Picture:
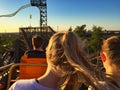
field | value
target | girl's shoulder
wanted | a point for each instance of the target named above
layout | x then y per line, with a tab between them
23	84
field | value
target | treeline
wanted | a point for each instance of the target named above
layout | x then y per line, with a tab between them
93	38
6	42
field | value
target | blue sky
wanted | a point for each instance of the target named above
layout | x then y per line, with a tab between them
63	14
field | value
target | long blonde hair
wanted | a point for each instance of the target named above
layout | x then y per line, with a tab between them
66	57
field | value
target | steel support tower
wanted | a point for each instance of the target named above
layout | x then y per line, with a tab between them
42	6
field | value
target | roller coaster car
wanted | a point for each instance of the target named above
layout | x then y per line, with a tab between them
16	66
27	72
28	68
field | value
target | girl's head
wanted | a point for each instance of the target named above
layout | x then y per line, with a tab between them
66	59
63	48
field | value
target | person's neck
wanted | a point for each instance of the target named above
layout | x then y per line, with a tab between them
113	71
39	49
49	79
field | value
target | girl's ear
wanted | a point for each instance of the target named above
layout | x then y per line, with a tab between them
103	57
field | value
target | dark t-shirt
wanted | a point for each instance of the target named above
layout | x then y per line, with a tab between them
36	54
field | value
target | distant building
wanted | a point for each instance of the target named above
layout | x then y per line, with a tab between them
105	33
9	34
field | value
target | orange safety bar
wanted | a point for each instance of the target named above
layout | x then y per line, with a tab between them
27	72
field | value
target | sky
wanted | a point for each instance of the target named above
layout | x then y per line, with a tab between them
62	14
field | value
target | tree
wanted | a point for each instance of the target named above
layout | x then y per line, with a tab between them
6	42
81	31
70	29
95	40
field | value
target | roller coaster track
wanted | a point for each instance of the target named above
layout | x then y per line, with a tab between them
4	70
13	14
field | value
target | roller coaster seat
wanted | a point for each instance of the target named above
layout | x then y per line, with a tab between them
27	72
1	86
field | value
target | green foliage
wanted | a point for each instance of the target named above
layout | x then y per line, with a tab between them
6	42
80	31
70	29
95	40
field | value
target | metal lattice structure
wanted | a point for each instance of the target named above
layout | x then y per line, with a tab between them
42	6
23	42
26	34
